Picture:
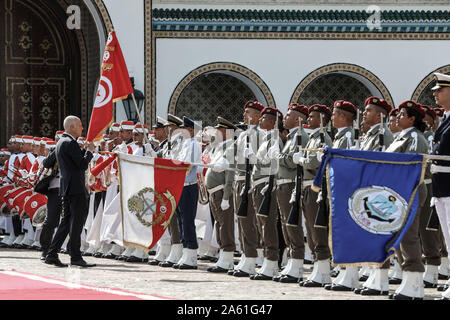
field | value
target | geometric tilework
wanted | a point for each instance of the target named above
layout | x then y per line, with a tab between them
328	88
212	95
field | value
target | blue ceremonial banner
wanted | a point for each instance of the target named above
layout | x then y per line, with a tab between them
373	198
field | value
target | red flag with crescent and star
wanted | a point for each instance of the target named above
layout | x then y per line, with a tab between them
114	85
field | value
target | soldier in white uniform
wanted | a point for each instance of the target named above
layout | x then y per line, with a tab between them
441	169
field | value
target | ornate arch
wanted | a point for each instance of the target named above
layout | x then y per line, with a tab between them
220	66
427	80
104	15
342	68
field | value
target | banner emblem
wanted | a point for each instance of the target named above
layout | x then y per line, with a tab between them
104	92
151	212
379	210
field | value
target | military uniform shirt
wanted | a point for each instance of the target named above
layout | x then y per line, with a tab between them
309	160
371	141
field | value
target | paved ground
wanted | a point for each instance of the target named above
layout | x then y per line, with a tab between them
177	284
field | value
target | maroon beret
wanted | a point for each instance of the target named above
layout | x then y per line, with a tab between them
254	104
378	102
299	108
393	113
345	105
413	105
320	108
272	111
439	112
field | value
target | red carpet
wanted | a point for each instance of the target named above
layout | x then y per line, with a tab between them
24	286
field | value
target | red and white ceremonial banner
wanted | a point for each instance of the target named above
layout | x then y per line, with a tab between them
114	85
150	189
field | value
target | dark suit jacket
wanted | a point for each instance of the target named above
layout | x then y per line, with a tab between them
73	162
50	161
441	146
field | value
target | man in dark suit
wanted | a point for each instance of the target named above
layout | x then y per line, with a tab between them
441	169
73	162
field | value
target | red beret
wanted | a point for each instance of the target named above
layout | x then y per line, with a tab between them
272	111
378	102
413	105
393	112
254	104
345	105
429	111
320	108
439	112
299	108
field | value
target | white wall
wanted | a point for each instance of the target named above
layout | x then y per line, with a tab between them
128	20
282	64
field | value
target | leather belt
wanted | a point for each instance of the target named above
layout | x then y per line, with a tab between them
215	189
284	181
259	181
439	169
307	183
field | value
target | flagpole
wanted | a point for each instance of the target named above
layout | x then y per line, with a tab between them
140	120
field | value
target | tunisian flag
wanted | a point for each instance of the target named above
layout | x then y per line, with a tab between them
114	85
150	189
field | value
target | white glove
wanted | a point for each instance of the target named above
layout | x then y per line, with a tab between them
273	151
248	153
225	204
319	156
23	173
296	157
293	196
319	197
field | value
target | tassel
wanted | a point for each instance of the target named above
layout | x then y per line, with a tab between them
414	145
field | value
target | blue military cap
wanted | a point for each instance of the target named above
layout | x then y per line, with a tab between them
189	123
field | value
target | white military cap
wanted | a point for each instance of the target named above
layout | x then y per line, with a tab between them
442	80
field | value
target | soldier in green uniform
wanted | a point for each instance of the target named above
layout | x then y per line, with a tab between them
317	238
411	140
286	183
377	138
344	113
264	170
249	235
219	184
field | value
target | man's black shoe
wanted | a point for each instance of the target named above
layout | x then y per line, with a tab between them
55	261
82	263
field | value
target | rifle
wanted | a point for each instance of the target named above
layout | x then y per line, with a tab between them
322	211
294	214
433	221
264	208
357	131
243	206
169	142
381	134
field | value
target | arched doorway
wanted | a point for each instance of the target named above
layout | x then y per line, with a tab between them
47	70
218	89
423	93
40	68
333	82
211	95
